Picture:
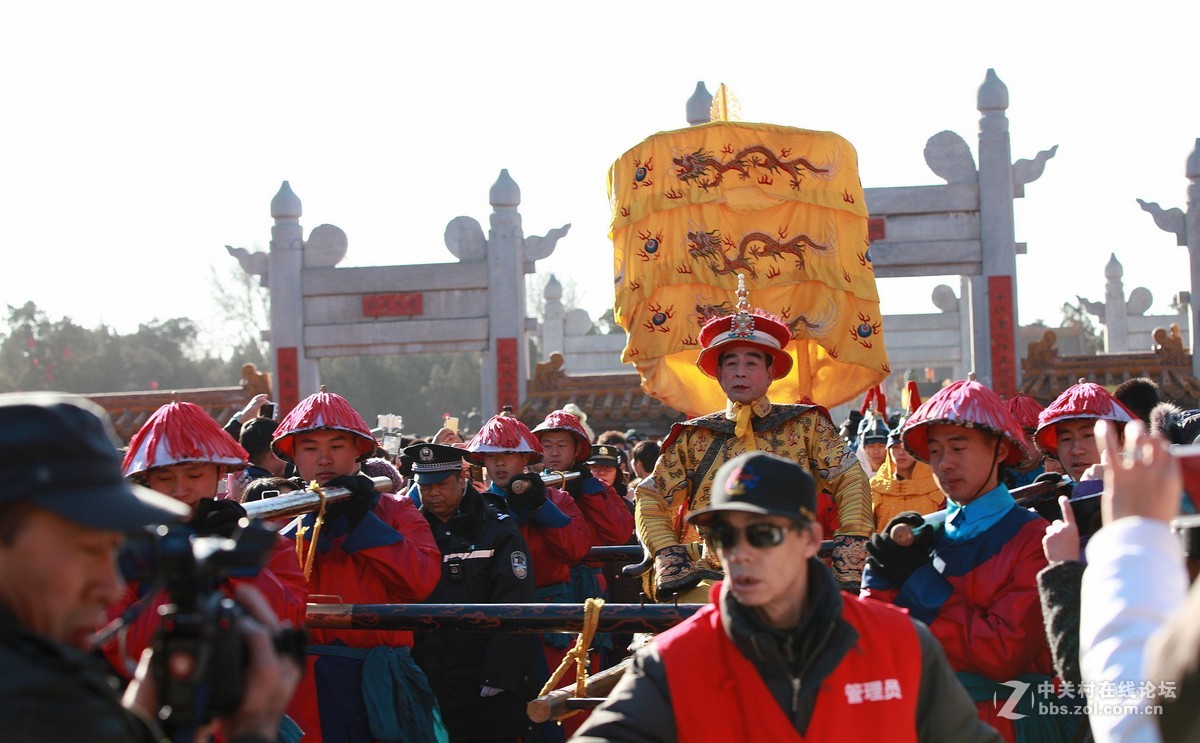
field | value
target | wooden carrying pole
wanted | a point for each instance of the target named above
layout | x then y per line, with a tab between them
557	703
617	618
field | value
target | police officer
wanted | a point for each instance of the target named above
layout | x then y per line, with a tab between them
482	680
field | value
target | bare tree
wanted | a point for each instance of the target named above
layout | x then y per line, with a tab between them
243	316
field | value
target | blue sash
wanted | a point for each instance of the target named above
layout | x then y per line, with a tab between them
1032	727
400	704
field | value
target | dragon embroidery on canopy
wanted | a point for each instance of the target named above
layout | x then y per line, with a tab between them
704	169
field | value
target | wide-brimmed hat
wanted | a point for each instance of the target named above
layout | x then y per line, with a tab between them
760	483
322	411
969	404
503	434
1025	409
178	433
1082	401
59	452
745	326
561	420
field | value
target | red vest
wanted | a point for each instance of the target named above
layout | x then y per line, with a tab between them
718	695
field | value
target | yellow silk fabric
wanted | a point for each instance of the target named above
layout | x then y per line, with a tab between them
693	208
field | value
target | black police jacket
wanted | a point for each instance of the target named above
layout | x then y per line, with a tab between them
484	561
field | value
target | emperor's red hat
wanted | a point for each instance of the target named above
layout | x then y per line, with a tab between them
322	411
1085	400
745	326
180	432
969	404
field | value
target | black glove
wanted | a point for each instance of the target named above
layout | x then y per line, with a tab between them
358	505
896	563
574	487
531	496
217	517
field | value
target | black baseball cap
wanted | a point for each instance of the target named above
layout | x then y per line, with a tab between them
760	483
432	463
59	452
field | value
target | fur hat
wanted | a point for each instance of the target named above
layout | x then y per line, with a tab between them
1178	426
745	326
181	432
969	404
322	411
1085	400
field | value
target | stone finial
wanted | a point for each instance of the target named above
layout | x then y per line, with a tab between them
1139	301
944	298
465	240
699	106
948	156
505	191
993	94
1113	269
1193	163
286	204
325	247
553	291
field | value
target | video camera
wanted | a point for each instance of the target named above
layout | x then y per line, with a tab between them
199	656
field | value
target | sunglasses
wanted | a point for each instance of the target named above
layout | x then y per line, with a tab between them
760	536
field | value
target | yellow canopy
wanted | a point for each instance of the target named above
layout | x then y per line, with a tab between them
782	206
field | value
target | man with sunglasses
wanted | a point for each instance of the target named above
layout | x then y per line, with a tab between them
781	652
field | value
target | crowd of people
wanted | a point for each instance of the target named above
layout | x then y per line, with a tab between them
970	568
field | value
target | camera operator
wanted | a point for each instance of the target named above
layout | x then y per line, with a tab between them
64	508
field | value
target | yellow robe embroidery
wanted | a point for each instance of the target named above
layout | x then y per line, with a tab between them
808	439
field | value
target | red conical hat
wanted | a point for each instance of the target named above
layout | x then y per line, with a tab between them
1079	401
745	326
323	411
504	434
969	404
561	420
1025	409
181	432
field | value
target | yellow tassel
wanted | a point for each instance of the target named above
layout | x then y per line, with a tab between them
578	655
744	428
306	560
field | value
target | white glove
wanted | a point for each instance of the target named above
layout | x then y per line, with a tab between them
489	691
